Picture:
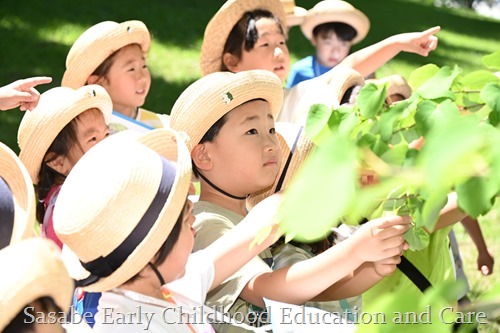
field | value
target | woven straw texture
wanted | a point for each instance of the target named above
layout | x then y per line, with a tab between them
57	107
35	270
221	24
108	192
96	44
207	100
336	11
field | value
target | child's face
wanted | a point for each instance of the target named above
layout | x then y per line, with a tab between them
128	80
245	154
330	50
174	266
90	130
269	52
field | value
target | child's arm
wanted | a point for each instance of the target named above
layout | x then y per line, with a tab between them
485	260
450	214
238	246
376	240
371	58
21	93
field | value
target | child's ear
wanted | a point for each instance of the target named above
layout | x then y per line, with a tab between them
201	158
93	79
59	163
230	61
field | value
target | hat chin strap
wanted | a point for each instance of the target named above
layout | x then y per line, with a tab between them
157	273
221	190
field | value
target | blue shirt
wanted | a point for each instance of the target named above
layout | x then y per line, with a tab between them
305	69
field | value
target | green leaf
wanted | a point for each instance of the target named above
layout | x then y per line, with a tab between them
387	120
395	155
371	99
491	96
417	238
317	120
492	61
321	191
420	75
439	85
432	207
475	196
423	116
477	80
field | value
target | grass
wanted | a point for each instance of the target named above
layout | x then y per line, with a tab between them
36	38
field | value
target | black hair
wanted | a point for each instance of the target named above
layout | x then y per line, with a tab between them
344	32
244	34
24	321
47	177
350	96
167	246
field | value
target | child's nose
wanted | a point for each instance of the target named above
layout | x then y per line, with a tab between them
278	52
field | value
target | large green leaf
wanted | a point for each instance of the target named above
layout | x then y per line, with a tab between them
387	120
316	122
439	85
371	99
475	195
492	60
396	155
420	75
417	238
491	95
322	190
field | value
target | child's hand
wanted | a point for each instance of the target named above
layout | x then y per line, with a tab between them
22	93
419	42
485	262
381	238
387	266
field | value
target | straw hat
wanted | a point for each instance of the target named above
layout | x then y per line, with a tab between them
139	189
221	24
35	270
295	147
336	11
17	199
397	85
96	44
57	108
294	14
207	100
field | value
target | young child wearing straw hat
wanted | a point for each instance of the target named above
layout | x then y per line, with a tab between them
65	124
22	93
250	34
35	295
114	55
229	119
332	27
146	268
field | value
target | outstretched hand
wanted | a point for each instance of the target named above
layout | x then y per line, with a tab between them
421	43
22	93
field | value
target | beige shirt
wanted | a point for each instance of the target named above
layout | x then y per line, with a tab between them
211	223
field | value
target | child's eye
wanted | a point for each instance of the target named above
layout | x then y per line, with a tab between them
272	131
131	69
252	131
92	139
145	66
264	45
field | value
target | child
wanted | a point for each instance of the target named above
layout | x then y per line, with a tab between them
52	138
229	119
113	55
151	248
332	27
35	295
245	34
21	93
17	199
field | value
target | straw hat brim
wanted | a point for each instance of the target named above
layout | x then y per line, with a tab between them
78	239
397	85
297	17
57	108
33	269
221	24
96	44
207	100
16	176
336	11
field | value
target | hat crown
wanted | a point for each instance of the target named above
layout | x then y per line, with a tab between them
57	108
208	99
